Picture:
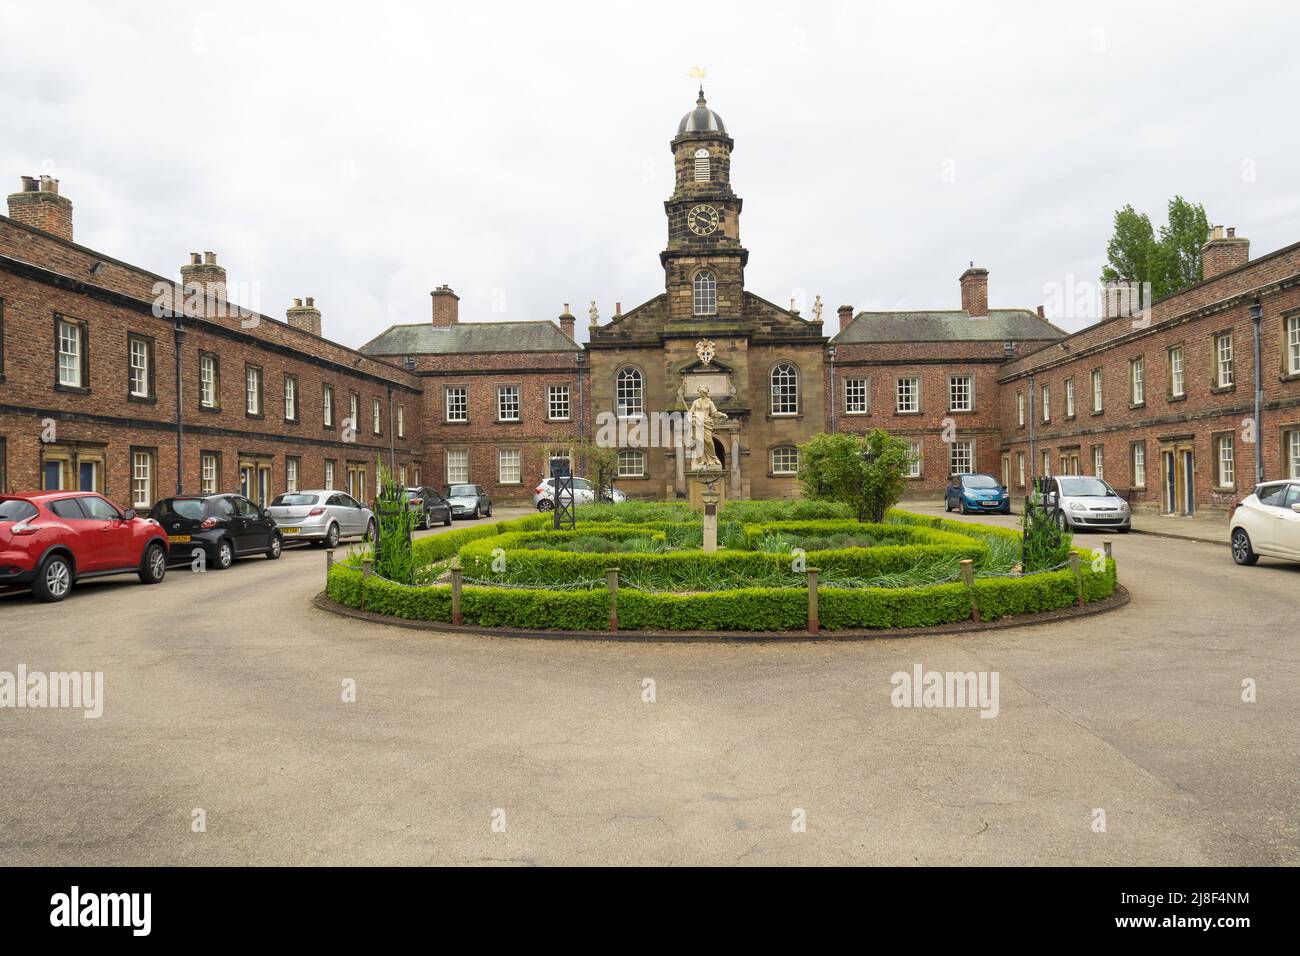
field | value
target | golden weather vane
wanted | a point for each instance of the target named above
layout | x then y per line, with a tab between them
698	73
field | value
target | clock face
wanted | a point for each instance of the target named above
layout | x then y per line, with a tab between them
702	219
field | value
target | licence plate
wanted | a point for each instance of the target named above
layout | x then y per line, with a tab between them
290	530
989	504
178	539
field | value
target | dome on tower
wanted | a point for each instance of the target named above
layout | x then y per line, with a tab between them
701	119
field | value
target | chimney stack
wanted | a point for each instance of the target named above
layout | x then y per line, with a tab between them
202	275
845	313
975	292
304	315
1042	312
567	321
1223	252
39	205
446	308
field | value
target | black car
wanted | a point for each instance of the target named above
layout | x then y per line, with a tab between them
225	526
430	507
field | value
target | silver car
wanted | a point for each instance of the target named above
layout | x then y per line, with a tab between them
322	517
1082	501
584	493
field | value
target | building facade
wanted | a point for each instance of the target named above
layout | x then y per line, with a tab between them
136	385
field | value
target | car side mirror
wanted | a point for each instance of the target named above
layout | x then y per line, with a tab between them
128	515
1296	507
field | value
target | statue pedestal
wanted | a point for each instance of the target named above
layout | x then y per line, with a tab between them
706	487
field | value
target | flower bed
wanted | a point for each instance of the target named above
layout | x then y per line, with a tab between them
909	576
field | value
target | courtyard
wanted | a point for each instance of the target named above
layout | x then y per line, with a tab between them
225	693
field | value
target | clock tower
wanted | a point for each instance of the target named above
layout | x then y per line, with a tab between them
704	263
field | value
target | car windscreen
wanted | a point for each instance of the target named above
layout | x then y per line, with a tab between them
293	500
15	509
979	481
410	493
462	491
1084	487
184	507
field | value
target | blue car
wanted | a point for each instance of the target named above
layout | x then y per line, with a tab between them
976	492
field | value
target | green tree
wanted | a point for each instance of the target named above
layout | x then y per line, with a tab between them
1170	262
867	473
589	460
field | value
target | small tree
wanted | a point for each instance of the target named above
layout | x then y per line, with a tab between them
867	473
394	558
597	464
1045	544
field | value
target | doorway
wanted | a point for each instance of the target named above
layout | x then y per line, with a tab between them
1178	484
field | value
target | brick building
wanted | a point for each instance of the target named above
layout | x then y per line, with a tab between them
135	384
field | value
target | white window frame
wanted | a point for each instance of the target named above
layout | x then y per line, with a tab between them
1293	345
704	293
460	457
629	392
784	460
1098	398
354	410
1293	453
141	479
961	452
1223	370
1069	398
857	396
329	474
509	403
71	353
1098	461
290	398
1047	404
327	406
455	404
1047	462
1020	409
401	423
1225	465
510	466
208	381
558	406
784	379
630	463
208	477
1020	468
139	372
252	390
1177	373
961	393
1138	464
376	416
291	475
907	395
913	459
1137	381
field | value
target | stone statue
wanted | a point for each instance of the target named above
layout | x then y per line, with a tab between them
817	308
595	315
704	417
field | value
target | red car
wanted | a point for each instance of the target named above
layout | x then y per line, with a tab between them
52	539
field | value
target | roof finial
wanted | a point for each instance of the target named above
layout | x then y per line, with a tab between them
699	72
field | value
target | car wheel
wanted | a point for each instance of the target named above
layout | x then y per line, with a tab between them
1242	552
947	505
277	546
545	505
225	554
154	567
1062	522
424	523
370	530
54	580
489	511
332	536
446	522
475	514
1125	530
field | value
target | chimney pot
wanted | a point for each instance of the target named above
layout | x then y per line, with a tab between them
304	315
1223	251
618	308
210	258
1042	312
297	303
40	206
1232	232
311	302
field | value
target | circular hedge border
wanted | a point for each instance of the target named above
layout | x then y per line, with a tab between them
909	538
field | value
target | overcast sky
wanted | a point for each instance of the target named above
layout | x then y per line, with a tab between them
364	153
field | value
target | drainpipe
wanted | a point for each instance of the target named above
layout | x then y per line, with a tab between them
1256	318
582	422
830	353
392	452
1029	412
178	336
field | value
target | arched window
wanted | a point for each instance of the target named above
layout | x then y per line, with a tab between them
702	165
629	393
706	293
785	390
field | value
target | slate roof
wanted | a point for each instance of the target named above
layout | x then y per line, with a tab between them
468	338
955	325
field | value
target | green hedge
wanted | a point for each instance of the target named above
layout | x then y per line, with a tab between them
774	609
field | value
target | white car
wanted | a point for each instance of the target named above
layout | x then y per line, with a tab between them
1081	501
584	493
1267	523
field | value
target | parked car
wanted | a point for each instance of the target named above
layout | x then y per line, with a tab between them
469	501
430	507
225	526
1267	523
55	539
322	517
1082	501
976	492
584	493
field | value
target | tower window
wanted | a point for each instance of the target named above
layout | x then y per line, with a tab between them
702	174
706	294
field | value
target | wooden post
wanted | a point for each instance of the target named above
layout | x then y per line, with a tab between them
968	579
1078	576
456	575
365	576
611	582
1106	546
329	563
814	619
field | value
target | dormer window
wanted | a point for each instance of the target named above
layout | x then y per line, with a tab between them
702	165
706	293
